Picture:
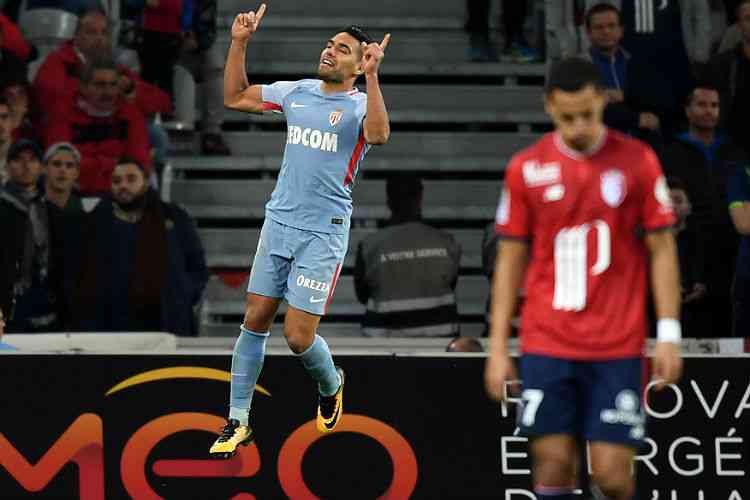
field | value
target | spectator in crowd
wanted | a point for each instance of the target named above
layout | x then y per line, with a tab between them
704	159
464	344
739	209
142	265
730	7
62	163
58	78
696	316
13	41
477	25
564	34
730	73
12	68
3	345
61	169
23	112
164	25
605	31
406	273
5	137
666	39
206	66
514	13
28	276
101	125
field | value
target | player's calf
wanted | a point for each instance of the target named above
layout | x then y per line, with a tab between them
611	471
618	486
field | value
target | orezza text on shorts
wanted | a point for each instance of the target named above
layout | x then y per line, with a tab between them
320	286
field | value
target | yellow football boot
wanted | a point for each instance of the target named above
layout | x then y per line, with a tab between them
331	408
231	437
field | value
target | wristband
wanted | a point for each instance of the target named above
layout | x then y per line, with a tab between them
668	330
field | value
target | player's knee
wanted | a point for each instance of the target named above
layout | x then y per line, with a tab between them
258	317
554	470
614	482
298	339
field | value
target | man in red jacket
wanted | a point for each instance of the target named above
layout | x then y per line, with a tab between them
101	124
58	77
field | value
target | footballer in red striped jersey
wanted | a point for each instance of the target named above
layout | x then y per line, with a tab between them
584	219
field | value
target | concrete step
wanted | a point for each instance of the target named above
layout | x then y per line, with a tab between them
235	248
452	200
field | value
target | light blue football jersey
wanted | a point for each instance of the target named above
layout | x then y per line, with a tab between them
324	148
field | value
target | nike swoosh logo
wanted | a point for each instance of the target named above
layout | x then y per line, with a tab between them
295	105
332	423
313	300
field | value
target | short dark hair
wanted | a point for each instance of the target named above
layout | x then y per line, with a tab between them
674	182
571	75
601	8
358	33
741	4
102	64
701	86
464	344
127	160
403	189
4	101
96	11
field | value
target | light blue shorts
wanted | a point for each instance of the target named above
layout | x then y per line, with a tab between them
297	265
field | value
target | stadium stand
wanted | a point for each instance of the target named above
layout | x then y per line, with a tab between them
456	123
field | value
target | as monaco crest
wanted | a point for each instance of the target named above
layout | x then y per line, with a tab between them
335	117
613	187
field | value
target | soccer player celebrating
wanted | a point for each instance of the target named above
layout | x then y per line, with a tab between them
304	239
583	214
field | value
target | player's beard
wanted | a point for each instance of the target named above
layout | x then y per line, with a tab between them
332	77
137	203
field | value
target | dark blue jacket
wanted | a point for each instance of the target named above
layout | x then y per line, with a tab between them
111	243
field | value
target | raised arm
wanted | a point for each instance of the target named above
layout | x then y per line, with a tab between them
377	126
238	93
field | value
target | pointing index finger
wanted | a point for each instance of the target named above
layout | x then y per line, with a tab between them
260	13
384	43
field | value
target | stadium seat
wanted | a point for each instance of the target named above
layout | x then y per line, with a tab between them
466	104
228	199
235	248
356	12
221	300
415	151
46	29
327	328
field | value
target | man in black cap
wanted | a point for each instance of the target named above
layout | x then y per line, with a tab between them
28	297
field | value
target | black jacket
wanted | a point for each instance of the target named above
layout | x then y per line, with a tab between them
730	73
706	184
14	222
105	303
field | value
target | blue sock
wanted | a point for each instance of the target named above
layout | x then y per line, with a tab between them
554	493
247	361
318	362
